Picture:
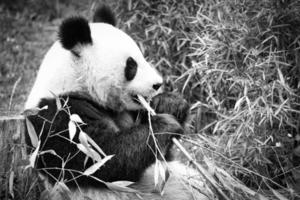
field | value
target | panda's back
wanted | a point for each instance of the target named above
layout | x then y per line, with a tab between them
55	76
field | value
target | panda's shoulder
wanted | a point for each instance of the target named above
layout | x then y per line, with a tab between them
58	111
78	103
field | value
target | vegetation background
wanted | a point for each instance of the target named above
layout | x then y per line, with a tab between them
236	61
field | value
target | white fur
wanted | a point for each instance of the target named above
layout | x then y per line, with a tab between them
99	70
175	189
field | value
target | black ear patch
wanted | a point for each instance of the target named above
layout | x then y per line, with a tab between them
130	69
73	31
104	14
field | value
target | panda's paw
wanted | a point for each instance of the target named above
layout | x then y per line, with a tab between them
173	104
166	123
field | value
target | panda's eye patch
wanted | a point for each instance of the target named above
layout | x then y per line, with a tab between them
130	69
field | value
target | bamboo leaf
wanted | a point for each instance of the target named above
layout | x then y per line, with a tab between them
85	160
92	169
29	112
72	129
34	155
75	118
82	148
281	78
94	155
122	183
51	151
95	145
57	101
11	183
32	133
33	111
88	150
162	171
116	187
238	103
280	107
83	139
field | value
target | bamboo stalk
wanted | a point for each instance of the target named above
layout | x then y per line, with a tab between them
202	170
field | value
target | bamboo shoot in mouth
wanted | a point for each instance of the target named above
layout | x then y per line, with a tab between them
146	104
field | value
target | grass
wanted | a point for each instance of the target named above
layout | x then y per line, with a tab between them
27	32
236	61
22	48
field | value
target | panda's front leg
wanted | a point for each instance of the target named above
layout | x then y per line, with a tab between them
134	148
173	104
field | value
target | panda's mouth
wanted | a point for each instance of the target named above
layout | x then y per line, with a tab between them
135	98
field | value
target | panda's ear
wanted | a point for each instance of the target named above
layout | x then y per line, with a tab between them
105	15
73	31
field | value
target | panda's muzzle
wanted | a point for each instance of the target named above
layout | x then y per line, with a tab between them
135	98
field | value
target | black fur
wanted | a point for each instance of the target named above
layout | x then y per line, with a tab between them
130	69
172	103
104	14
124	134
73	31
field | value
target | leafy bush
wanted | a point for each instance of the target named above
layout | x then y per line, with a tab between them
237	62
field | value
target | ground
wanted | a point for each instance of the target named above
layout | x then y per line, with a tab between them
27	31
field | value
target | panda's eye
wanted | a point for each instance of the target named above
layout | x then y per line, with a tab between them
130	69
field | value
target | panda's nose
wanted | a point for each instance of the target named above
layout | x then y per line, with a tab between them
156	86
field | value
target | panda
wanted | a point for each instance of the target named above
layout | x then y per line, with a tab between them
96	71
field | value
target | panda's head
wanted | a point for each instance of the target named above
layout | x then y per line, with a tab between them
107	62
